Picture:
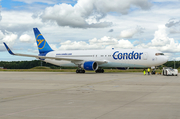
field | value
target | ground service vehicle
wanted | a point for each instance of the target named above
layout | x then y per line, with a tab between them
169	71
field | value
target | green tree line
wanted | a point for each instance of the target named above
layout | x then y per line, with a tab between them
34	63
171	64
26	64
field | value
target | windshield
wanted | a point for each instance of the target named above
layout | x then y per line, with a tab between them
157	54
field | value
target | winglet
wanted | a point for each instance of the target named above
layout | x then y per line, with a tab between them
8	49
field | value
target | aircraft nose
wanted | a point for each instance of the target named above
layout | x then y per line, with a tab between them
165	59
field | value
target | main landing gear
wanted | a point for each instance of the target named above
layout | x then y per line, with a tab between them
83	71
100	71
80	71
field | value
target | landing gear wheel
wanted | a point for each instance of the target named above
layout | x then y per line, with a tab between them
80	71
83	71
100	71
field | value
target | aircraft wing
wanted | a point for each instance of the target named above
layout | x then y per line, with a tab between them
45	57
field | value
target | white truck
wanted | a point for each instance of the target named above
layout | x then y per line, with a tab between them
169	71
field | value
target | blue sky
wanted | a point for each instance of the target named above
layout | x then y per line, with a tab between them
85	24
23	5
10	5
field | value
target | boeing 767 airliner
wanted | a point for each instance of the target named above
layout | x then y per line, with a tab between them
95	60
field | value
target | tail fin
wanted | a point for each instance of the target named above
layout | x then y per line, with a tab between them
43	46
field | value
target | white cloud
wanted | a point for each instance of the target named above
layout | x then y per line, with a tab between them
26	38
129	33
121	44
174	30
89	13
66	15
53	46
160	37
103	43
9	38
172	22
1	35
111	30
162	42
0	13
15	21
174	26
78	45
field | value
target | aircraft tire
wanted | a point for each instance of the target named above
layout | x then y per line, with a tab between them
80	71
100	71
97	71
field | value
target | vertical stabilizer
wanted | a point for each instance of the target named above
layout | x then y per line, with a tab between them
42	45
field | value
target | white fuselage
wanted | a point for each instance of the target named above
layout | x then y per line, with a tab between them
114	58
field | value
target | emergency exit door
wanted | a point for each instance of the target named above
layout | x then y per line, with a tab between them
145	56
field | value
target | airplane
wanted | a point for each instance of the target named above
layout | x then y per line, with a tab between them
95	60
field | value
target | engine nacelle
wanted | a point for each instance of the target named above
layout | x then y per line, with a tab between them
90	65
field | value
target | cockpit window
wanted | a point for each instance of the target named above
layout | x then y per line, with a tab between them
157	54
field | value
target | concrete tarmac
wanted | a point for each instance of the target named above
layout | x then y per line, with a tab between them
47	95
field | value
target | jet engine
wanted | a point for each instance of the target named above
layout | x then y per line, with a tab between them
90	65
